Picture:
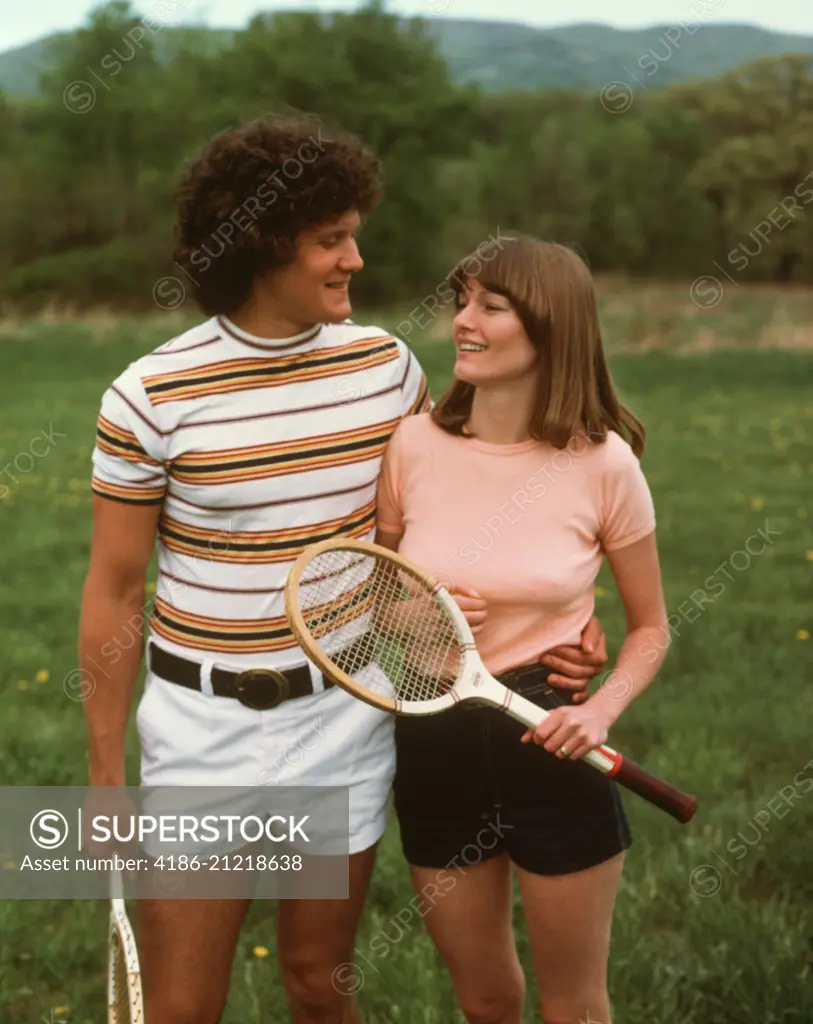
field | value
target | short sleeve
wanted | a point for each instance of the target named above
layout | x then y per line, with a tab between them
390	516
129	455
414	385
628	512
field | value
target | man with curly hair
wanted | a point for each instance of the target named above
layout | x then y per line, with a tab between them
236	444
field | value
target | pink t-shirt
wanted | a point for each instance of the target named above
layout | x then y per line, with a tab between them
526	525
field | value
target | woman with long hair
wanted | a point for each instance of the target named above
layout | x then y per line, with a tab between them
512	489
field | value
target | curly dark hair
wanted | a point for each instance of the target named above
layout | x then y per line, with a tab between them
244	201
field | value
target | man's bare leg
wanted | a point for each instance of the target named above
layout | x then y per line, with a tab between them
315	937
186	949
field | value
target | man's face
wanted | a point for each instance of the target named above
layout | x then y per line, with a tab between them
315	287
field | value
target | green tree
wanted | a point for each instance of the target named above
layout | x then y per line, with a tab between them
755	171
384	79
711	171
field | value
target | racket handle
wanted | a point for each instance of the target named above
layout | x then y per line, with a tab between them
670	799
608	761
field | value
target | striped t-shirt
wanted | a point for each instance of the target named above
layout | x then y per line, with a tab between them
255	448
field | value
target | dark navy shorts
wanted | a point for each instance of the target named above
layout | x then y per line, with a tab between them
464	780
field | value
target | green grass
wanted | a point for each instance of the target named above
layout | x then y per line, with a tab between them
730	449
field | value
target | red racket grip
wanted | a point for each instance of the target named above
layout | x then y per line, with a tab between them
674	801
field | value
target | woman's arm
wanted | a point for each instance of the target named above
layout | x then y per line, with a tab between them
572	731
637	575
388	540
469	601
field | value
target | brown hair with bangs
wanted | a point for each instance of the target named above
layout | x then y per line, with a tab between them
552	293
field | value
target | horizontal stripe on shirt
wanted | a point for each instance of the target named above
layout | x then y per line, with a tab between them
255	449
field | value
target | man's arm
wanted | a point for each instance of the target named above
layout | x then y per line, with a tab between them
112	610
574	667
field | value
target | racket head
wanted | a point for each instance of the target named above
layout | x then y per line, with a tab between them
124	994
378	626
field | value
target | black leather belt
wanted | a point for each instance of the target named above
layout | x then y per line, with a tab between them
257	688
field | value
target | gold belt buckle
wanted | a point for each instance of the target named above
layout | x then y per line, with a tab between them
261	688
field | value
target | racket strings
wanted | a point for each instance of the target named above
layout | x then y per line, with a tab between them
363	609
120	994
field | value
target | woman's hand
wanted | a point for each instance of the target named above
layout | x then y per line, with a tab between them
472	605
570	732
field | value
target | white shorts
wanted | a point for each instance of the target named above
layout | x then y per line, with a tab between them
328	738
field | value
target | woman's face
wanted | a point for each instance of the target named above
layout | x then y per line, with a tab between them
492	346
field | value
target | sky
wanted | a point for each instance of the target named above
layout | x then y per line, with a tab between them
24	22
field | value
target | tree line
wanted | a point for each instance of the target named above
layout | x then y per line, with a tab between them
709	177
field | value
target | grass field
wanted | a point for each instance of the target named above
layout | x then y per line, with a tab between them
714	921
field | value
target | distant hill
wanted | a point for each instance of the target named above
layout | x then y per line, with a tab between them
19	68
501	55
515	56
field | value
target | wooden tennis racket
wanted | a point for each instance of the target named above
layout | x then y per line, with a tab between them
125	1003
393	636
